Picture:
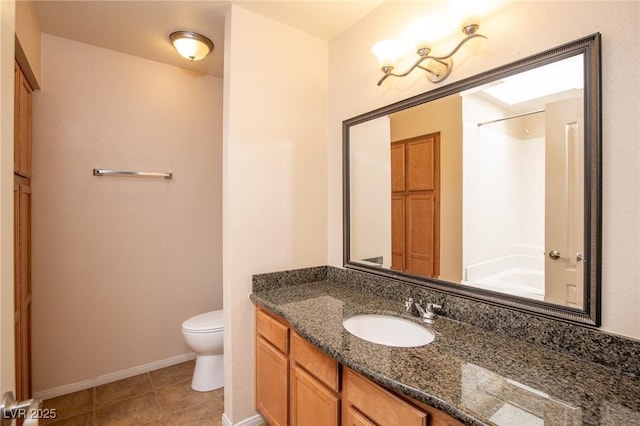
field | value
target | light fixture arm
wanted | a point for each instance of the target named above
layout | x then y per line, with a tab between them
455	50
443	67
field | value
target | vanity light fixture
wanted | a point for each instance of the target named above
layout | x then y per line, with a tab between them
191	45
423	33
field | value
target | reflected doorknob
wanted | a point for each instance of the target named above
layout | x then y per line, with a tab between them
554	254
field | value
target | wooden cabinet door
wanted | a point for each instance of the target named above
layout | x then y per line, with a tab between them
272	383
22	125
421	164
415	205
398	232
419	257
312	404
397	168
22	286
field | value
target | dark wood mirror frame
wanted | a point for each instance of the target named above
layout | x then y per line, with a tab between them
590	47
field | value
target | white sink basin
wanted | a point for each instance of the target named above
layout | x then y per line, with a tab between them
388	330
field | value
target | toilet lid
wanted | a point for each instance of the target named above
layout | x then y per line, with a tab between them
209	321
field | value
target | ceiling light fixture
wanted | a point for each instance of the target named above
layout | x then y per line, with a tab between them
422	34
191	45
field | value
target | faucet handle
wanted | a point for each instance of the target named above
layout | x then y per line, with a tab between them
430	313
413	305
431	307
408	304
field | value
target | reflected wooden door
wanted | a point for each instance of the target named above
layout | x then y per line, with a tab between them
415	215
398	240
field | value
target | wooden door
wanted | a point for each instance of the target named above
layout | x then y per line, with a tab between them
564	203
22	287
415	201
22	234
312	404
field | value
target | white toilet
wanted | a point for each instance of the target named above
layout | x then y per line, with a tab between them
203	333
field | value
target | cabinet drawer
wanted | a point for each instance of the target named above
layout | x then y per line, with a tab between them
272	330
381	406
437	417
355	418
316	362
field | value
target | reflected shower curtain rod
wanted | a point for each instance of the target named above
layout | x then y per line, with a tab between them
513	116
103	172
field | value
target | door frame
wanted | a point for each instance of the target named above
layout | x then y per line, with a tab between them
7	62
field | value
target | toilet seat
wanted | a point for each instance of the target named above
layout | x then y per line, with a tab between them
204	323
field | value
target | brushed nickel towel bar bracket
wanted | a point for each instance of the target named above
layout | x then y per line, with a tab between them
103	172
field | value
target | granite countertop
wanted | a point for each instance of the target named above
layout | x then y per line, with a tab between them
476	376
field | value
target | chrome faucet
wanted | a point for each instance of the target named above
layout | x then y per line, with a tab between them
414	307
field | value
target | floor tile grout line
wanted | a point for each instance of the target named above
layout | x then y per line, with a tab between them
170	378
154	388
94	419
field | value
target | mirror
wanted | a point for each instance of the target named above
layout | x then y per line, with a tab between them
488	188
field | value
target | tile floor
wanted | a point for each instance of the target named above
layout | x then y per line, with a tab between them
162	397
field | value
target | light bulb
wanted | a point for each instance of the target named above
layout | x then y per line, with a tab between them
423	33
387	52
471	12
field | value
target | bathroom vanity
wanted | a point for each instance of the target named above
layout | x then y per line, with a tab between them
298	384
309	367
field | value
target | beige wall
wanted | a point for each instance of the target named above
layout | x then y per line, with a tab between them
443	116
274	196
28	44
7	37
370	185
353	73
119	263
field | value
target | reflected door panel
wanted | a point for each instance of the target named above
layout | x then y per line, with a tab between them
414	214
421	235
397	168
563	205
397	232
421	164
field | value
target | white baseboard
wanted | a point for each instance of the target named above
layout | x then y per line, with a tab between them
255	420
112	377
